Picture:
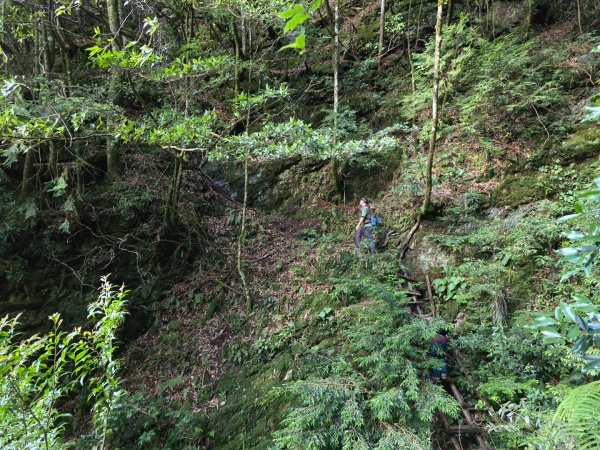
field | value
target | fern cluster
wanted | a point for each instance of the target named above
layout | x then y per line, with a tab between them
373	391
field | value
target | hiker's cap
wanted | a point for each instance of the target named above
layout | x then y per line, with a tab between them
364	199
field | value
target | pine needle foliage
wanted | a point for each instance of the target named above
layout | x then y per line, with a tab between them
375	393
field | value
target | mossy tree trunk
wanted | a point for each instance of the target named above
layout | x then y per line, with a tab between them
434	108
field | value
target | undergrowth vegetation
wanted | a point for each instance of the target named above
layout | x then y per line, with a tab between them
210	154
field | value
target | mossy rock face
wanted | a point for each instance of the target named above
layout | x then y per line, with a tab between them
244	419
271	185
508	15
580	146
583	144
519	189
425	257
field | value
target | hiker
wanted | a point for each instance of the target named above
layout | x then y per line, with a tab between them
437	348
364	227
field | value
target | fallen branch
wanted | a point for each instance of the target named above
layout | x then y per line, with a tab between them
407	239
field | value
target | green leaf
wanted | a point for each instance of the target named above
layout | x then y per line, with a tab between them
575	235
299	43
551	333
568	310
582	344
581	323
296	9
316	4
592	365
543	322
572	333
581	299
298	19
568	217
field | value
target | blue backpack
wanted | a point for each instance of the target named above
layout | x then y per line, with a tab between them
376	220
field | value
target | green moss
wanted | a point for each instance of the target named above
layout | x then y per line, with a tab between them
319	300
244	419
583	144
519	189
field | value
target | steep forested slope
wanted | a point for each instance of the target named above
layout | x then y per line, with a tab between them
178	147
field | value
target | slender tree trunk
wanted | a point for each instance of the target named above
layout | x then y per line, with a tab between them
52	159
122	16
236	67
28	174
173	194
409	50
449	12
241	237
434	107
579	16
65	58
48	50
113	157
245	203
336	56
336	165
381	30
418	30
36	49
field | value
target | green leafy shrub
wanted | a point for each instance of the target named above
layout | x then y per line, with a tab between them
39	372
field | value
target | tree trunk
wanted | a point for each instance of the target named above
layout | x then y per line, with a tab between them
449	12
173	194
52	159
241	238
418	25
27	179
381	29
579	16
434	107
335	159
113	158
409	50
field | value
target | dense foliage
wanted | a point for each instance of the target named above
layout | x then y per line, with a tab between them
207	154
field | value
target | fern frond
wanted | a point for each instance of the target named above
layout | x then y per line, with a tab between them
578	416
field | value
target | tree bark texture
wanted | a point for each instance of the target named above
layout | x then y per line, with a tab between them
113	157
336	165
434	107
381	30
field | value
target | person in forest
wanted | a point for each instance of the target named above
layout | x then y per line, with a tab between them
364	227
437	348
